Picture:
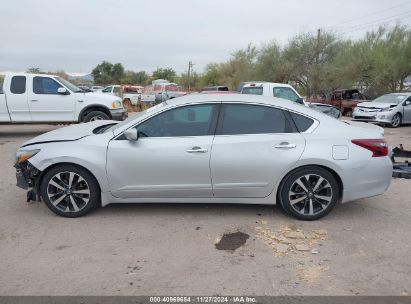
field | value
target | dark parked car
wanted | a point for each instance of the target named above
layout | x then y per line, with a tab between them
326	109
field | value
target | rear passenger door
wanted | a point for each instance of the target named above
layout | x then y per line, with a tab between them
17	99
46	104
253	146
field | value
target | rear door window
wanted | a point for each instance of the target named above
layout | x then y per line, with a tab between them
252	90
18	85
45	85
252	119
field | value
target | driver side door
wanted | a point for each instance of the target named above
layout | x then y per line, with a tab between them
170	159
46	104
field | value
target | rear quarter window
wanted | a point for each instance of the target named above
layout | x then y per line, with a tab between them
18	85
302	123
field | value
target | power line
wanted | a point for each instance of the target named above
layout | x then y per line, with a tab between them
371	14
374	23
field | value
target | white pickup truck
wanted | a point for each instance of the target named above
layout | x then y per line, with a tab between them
43	98
272	89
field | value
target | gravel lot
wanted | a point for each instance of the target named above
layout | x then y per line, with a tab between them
361	248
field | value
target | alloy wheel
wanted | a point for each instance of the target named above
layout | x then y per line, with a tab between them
310	194
396	120
68	191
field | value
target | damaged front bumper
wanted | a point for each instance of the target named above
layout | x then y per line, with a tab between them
28	177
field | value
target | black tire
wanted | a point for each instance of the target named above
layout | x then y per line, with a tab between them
348	113
396	120
95	115
84	203
290	190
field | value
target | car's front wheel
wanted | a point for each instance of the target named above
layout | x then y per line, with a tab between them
70	191
396	121
95	115
309	193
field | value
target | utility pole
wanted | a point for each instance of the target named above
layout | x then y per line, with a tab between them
190	68
317	80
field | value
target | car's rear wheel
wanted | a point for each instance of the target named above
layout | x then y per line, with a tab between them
309	193
396	120
70	191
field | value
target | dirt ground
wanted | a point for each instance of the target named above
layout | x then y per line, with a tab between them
361	248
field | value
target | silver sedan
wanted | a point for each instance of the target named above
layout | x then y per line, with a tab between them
392	109
217	148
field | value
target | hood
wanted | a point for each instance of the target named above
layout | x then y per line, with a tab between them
377	105
98	97
70	133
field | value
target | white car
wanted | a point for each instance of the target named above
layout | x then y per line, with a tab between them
272	89
208	148
44	98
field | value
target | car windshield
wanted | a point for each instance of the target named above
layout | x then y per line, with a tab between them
390	99
252	90
139	114
69	85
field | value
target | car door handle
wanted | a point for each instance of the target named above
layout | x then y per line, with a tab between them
34	100
197	150
285	146
80	100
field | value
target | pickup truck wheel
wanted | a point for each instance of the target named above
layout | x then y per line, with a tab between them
95	115
348	113
70	191
396	121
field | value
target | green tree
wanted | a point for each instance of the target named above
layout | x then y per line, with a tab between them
271	65
166	73
240	67
131	77
212	75
34	70
107	73
308	57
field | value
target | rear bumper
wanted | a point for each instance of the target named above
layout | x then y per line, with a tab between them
370	180
118	114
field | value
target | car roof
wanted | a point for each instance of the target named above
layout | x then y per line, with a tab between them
258	83
243	98
399	93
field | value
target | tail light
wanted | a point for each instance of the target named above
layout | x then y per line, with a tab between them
378	147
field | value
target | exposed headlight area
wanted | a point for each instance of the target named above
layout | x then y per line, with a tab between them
24	155
27	175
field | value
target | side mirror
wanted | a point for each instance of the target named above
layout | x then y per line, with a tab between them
131	134
300	100
62	91
407	103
